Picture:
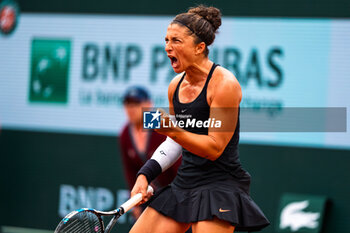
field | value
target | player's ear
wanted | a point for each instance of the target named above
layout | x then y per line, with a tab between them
200	47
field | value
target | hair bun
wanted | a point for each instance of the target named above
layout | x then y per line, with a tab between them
212	14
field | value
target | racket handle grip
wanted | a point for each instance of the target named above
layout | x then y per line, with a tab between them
129	204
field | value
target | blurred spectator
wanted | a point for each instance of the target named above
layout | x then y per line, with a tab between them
137	145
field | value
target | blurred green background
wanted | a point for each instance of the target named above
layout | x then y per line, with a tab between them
35	164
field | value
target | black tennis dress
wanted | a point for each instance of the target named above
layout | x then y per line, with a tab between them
203	188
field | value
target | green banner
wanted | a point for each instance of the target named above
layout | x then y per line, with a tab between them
300	213
49	70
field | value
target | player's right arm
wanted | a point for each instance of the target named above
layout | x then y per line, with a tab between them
164	157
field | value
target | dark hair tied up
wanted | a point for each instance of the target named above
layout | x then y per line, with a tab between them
203	22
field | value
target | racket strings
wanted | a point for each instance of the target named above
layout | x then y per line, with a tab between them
85	221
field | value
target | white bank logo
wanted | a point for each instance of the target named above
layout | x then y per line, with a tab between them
72	198
295	216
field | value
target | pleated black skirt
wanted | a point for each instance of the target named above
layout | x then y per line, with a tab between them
222	199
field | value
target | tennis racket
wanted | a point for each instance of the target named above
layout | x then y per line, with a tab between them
88	220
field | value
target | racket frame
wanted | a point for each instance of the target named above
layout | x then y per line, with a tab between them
115	213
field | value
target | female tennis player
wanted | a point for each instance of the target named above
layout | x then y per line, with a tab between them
211	189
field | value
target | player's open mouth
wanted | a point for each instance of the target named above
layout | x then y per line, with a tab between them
174	62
